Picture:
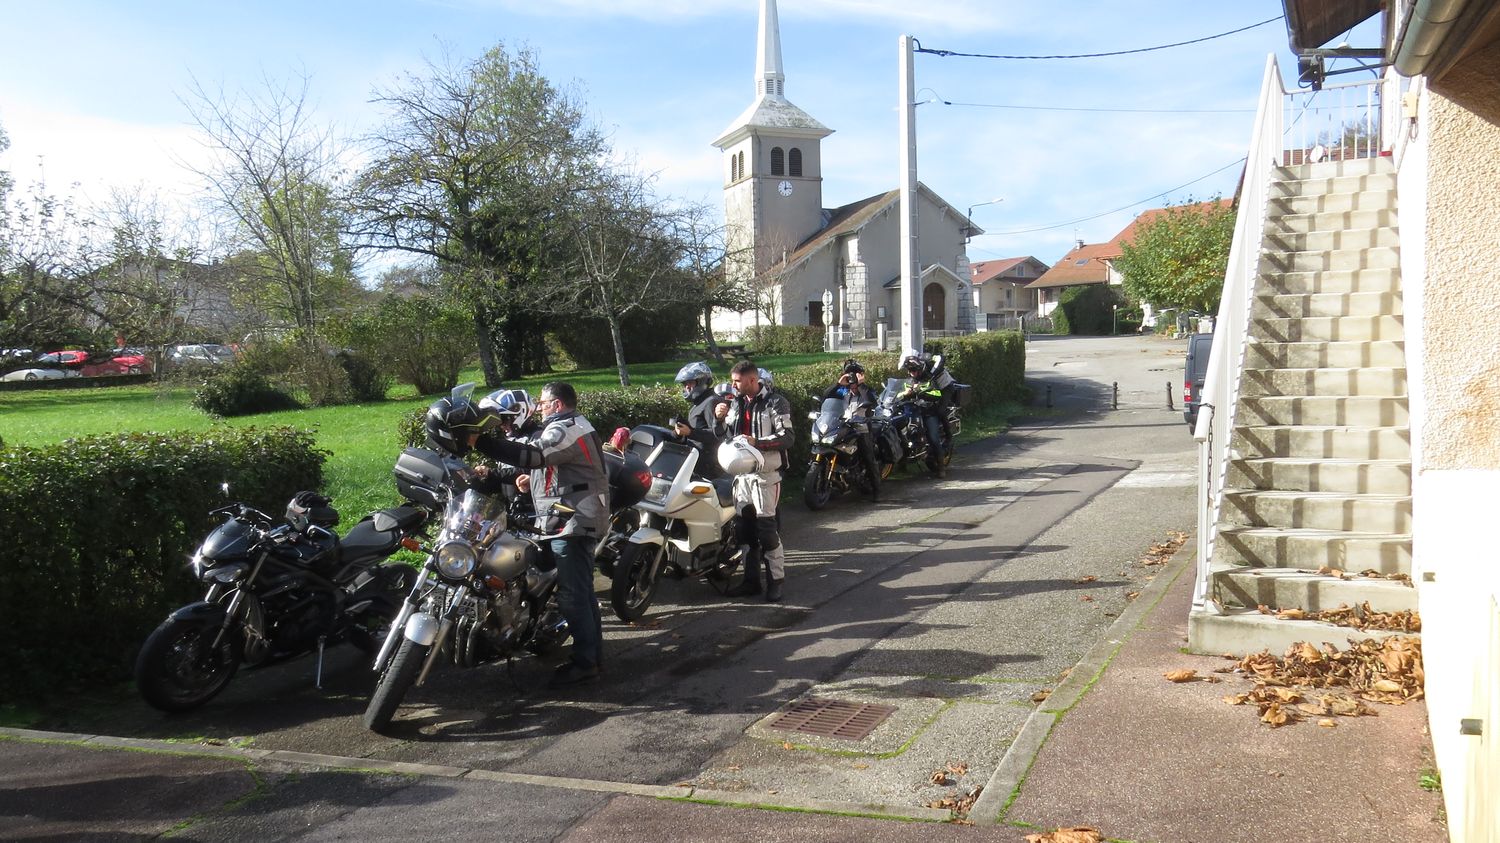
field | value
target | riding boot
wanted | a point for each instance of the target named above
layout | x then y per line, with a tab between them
750	584
773	591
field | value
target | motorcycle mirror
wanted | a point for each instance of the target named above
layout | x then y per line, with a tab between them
813	416
224	487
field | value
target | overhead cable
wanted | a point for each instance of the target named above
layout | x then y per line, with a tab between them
953	53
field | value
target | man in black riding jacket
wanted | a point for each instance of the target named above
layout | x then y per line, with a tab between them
567	469
698	390
929	381
851	386
764	417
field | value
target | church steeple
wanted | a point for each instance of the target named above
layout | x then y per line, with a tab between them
769	78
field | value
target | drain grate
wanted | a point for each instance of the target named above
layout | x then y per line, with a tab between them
833	718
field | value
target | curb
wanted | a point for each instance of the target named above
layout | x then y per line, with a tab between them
990	807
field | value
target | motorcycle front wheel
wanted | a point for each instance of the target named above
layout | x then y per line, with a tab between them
816	489
633	585
179	667
395	681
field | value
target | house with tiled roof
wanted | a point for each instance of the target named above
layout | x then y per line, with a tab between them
1094	263
796	253
1001	296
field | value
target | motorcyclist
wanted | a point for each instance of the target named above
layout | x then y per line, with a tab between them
571	492
852	388
697	382
764	417
929	382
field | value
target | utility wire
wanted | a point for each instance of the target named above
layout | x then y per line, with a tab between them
1101	110
1121	208
947	53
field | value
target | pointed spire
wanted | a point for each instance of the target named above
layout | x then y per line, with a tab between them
769	80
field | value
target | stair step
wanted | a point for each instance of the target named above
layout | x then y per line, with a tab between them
1381	280
1240	632
1335	184
1389	514
1375	257
1364	381
1282	222
1287	588
1322	410
1302	305
1320	241
1324	203
1275	547
1327	442
1295	474
1315	355
1336	169
1328	328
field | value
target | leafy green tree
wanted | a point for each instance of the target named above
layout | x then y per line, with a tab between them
1179	259
424	339
470	171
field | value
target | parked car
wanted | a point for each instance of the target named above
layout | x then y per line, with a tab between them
125	361
39	374
70	357
200	354
1194	373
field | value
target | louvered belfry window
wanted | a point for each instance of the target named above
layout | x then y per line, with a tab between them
794	162
778	161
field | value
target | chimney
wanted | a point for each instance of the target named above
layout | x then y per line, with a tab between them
1080	244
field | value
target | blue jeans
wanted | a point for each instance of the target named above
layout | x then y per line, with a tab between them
575	598
934	428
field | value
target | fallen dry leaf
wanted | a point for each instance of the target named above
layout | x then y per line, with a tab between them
939	778
861	766
958	768
1074	834
1183	675
1275	716
787	745
1328	723
1084	579
1041	696
1131	595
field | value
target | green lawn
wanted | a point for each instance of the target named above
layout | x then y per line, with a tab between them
362	438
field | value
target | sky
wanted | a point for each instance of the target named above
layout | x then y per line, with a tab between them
92	92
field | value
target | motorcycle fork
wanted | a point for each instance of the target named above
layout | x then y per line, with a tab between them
235	602
460	594
397	631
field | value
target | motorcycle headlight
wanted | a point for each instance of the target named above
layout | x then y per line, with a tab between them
456	559
658	491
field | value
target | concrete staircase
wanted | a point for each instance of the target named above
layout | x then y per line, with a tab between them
1320	457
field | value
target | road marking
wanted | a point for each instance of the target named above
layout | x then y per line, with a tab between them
1158	479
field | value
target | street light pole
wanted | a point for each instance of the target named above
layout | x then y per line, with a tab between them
969	216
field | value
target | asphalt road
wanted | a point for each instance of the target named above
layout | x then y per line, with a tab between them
955	603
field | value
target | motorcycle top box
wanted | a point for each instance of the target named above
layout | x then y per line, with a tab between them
420	476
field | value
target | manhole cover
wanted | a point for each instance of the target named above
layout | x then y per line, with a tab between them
833	718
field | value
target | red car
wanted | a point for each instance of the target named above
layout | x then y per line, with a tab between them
123	362
64	358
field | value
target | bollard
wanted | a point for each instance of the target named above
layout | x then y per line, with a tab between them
1169	396
1049	396
1114	402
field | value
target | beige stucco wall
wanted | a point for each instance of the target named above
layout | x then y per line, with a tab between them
1461	290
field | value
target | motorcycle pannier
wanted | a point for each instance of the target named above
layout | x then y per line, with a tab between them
962	392
629	479
419	476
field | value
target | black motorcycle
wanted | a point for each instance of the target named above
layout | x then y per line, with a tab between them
836	466
277	589
904	413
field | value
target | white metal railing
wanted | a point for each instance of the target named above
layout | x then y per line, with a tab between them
1221	384
1290	128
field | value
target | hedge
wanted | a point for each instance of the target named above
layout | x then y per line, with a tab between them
785	339
100	529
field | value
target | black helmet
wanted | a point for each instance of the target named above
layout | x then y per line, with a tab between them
852	367
451	419
913	364
698	371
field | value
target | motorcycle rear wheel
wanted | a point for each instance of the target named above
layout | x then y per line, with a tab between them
395	681
816	489
633	585
179	668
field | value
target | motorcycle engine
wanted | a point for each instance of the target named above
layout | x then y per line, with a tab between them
298	618
501	628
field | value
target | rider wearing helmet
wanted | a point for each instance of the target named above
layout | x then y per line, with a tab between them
455	422
764	417
928	383
697	382
851	387
514	409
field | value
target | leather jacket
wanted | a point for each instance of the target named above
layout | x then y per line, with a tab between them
566	466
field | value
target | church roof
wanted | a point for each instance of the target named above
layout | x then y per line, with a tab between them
773	114
852	217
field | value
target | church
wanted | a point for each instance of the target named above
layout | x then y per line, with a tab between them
797	254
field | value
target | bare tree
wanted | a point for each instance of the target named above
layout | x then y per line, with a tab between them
706	262
274	174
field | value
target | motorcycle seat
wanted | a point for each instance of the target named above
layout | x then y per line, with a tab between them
725	487
379	533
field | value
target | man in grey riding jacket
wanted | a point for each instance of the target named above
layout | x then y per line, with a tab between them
567	469
764	417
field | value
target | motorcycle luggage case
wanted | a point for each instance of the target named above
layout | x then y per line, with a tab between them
961	392
629	479
419	475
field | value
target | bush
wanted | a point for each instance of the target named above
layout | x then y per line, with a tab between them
784	339
366	381
424	340
238	390
993	363
108	522
1089	310
649	335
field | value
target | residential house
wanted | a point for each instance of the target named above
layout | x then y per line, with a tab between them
1001	297
795	251
1356	372
1085	263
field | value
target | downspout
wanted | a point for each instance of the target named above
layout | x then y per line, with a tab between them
1423	31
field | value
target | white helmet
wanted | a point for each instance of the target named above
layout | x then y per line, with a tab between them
738	456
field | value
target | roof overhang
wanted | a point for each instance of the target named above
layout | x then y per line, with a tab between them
1312	23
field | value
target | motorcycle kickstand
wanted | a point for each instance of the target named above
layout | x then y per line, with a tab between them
318	677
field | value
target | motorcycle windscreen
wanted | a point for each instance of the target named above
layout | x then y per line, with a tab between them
229	540
893	387
829	416
671	469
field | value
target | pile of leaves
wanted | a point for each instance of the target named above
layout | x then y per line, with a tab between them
1388	671
1161	552
959	802
1364	617
1071	834
1369	574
